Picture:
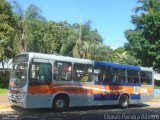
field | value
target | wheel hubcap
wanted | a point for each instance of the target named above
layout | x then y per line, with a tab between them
60	103
124	102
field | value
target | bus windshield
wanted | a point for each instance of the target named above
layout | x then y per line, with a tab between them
19	74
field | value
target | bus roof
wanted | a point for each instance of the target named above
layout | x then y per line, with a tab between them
87	61
117	65
61	58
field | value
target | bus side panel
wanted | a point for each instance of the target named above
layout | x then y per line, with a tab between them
85	94
113	92
39	96
81	100
88	100
146	92
39	101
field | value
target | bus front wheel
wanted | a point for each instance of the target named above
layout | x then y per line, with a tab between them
124	101
60	104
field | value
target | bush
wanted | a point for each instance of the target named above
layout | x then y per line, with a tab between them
4	79
4	82
156	87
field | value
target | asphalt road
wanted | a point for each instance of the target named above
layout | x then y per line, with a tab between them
135	112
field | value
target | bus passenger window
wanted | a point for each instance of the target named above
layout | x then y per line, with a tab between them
121	76
62	70
133	76
115	77
82	72
40	73
102	74
146	78
107	75
118	75
99	74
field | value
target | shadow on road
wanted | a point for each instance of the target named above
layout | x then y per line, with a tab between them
75	109
81	113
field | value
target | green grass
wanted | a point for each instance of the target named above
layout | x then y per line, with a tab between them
3	90
157	87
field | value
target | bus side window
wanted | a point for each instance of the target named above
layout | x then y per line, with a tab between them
107	75
133	76
118	75
146	77
40	73
99	74
82	72
115	77
121	76
62	70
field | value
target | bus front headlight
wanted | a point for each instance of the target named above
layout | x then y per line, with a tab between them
21	95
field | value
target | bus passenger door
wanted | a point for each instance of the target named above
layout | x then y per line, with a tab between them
99	93
40	79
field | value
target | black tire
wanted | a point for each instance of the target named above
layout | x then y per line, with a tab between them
124	102
60	104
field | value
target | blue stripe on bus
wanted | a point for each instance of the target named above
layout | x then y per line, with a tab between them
135	96
117	84
114	96
106	97
116	65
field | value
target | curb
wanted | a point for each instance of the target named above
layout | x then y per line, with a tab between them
3	93
155	106
5	107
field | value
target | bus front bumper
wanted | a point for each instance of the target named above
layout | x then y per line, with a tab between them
14	100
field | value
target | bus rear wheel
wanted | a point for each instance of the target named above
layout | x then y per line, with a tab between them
124	101
60	104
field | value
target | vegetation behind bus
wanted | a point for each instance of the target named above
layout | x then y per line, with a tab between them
144	39
31	32
76	40
4	78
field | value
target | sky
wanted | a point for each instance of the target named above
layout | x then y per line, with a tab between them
110	17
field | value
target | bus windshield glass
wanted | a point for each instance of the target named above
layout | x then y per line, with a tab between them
19	74
21	58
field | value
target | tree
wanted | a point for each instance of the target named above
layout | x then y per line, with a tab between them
84	35
6	33
6	30
95	50
24	20
148	6
121	55
144	40
49	37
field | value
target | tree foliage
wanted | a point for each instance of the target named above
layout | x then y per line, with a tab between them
26	30
6	30
24	20
121	55
47	37
144	40
85	39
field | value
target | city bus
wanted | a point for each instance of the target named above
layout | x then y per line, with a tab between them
60	82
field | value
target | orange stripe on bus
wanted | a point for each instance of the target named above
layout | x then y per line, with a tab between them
87	89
